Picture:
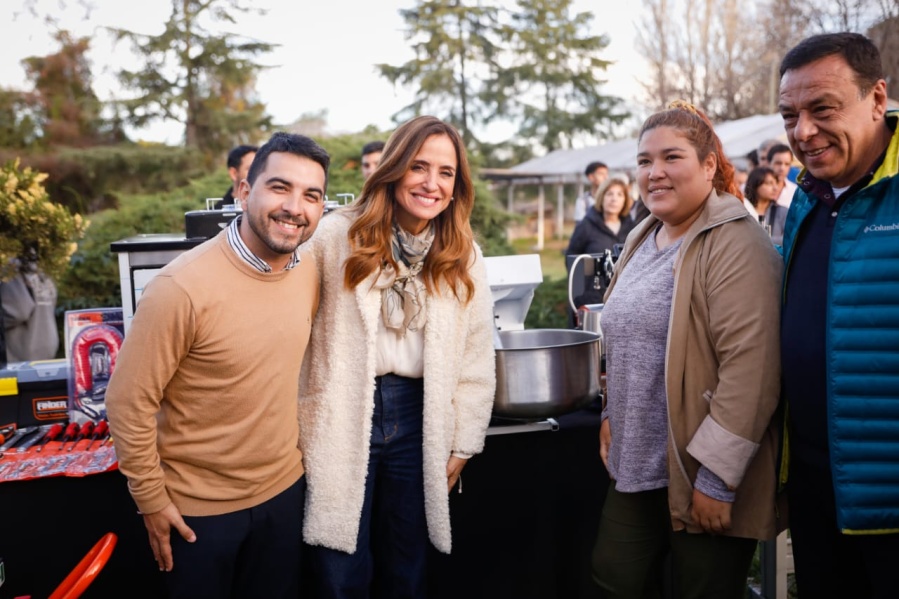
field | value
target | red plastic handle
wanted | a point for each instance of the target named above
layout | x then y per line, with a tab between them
87	569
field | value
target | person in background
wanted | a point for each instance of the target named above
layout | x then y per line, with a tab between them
740	175
371	157
607	223
693	374
761	201
29	317
780	160
639	210
840	305
398	384
763	150
239	160
597	173
202	402
752	157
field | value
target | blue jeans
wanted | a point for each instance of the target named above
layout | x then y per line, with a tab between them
389	561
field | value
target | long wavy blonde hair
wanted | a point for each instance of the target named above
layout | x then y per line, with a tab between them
450	256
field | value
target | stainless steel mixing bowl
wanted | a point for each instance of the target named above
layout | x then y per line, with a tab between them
542	373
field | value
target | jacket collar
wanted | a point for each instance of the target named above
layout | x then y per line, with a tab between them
716	210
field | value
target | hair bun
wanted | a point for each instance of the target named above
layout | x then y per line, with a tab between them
683	105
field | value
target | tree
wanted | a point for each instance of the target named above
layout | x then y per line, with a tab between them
782	26
455	51
703	51
19	119
878	19
204	80
725	56
68	110
886	36
553	75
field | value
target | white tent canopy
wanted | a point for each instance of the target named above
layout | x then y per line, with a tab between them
738	137
559	167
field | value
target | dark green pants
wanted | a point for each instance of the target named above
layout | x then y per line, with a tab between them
634	538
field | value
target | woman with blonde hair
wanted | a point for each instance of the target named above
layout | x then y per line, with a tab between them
398	383
606	224
691	323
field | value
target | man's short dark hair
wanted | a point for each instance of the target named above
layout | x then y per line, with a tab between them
372	147
291	143
237	154
753	157
593	166
778	149
858	51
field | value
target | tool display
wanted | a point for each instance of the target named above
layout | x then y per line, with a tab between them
5	432
83	455
84	432
70	433
100	431
28	442
50	435
10	442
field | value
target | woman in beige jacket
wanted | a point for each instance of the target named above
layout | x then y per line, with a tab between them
691	321
398	382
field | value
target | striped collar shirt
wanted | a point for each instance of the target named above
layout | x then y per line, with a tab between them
240	248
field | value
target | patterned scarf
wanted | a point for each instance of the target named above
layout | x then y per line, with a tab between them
402	291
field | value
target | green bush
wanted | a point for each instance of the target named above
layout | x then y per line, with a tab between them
93	279
90	179
549	310
344	175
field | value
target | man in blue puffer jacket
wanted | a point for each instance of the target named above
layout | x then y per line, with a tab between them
840	320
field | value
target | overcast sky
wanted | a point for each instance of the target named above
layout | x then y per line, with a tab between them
325	58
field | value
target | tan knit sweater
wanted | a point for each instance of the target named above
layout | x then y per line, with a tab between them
202	402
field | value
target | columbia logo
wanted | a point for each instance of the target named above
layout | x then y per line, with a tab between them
881	228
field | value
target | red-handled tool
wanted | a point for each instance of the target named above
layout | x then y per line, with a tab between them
85	431
6	432
70	433
100	431
54	432
33	439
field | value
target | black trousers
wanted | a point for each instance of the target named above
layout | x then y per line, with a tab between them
249	553
827	562
634	538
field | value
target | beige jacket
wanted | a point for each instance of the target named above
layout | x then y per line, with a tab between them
338	382
722	369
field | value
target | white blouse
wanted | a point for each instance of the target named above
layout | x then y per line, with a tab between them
397	354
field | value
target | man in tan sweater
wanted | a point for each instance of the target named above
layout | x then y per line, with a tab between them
202	402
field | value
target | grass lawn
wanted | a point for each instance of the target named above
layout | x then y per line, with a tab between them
549	310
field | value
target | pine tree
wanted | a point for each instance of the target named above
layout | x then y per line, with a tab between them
554	75
455	52
201	79
67	110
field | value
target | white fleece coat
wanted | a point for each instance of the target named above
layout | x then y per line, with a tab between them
337	385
